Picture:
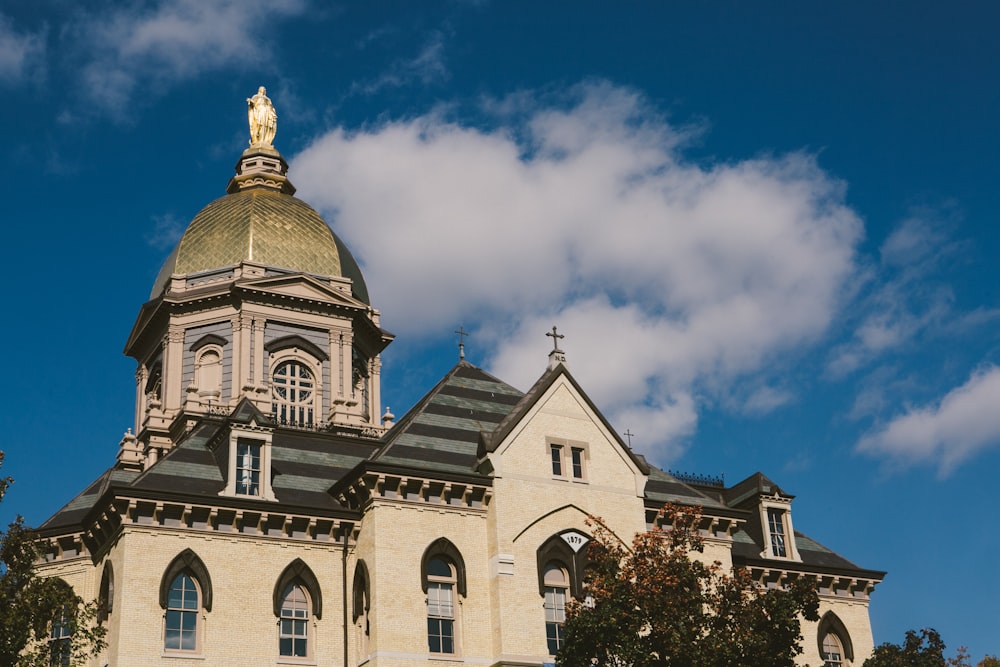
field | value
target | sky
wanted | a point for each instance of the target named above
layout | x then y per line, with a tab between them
768	233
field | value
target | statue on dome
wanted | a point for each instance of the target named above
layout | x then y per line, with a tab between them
263	118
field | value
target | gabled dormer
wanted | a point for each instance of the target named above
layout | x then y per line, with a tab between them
556	433
243	451
770	511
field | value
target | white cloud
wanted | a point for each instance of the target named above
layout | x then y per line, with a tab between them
427	67
172	40
668	278
964	422
903	300
19	51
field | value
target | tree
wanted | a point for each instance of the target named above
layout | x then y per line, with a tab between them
42	621
654	605
925	649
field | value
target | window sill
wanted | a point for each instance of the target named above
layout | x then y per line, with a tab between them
289	660
446	657
182	655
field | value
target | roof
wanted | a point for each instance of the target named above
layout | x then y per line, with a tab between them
72	513
534	394
260	221
442	431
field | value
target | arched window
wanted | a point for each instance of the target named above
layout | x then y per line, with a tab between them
106	598
293	393
441	579
556	579
185	591
833	652
835	645
362	608
442	574
297	598
293	634
181	633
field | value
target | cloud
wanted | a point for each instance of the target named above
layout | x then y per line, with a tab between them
960	425
427	67
902	299
168	41
19	51
669	278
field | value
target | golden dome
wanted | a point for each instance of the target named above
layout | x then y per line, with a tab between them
263	224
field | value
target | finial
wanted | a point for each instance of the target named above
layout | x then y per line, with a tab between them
556	356
263	119
555	339
628	434
462	333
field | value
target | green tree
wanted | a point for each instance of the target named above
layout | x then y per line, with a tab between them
925	649
31	607
653	605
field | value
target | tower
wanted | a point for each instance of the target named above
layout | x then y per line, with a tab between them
259	300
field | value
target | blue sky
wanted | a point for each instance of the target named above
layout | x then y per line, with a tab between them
768	235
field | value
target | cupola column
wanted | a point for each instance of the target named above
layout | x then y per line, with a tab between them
173	359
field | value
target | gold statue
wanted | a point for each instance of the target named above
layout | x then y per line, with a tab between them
263	119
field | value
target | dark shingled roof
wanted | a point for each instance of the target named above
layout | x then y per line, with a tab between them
663	488
441	432
72	513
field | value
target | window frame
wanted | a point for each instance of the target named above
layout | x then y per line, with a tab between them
186	563
441	606
313	404
781	510
296	614
444	550
555	596
569	460
250	435
182	612
61	641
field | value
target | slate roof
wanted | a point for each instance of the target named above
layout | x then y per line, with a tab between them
441	433
70	514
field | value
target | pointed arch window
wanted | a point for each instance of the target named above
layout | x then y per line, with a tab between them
362	608
835	646
833	652
297	599
185	592
442	572
106	597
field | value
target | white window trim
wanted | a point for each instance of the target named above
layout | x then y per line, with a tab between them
785	507
258	434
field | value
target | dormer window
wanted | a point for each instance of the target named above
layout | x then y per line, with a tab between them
776	527
776	523
248	467
249	462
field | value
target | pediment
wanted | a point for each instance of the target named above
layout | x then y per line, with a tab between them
303	287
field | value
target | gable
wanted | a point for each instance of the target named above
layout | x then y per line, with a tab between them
561	419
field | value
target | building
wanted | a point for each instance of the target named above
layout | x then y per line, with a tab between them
265	511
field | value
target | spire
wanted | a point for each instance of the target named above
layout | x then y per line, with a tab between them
556	356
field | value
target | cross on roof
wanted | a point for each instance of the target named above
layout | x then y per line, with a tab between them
555	339
462	333
628	434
